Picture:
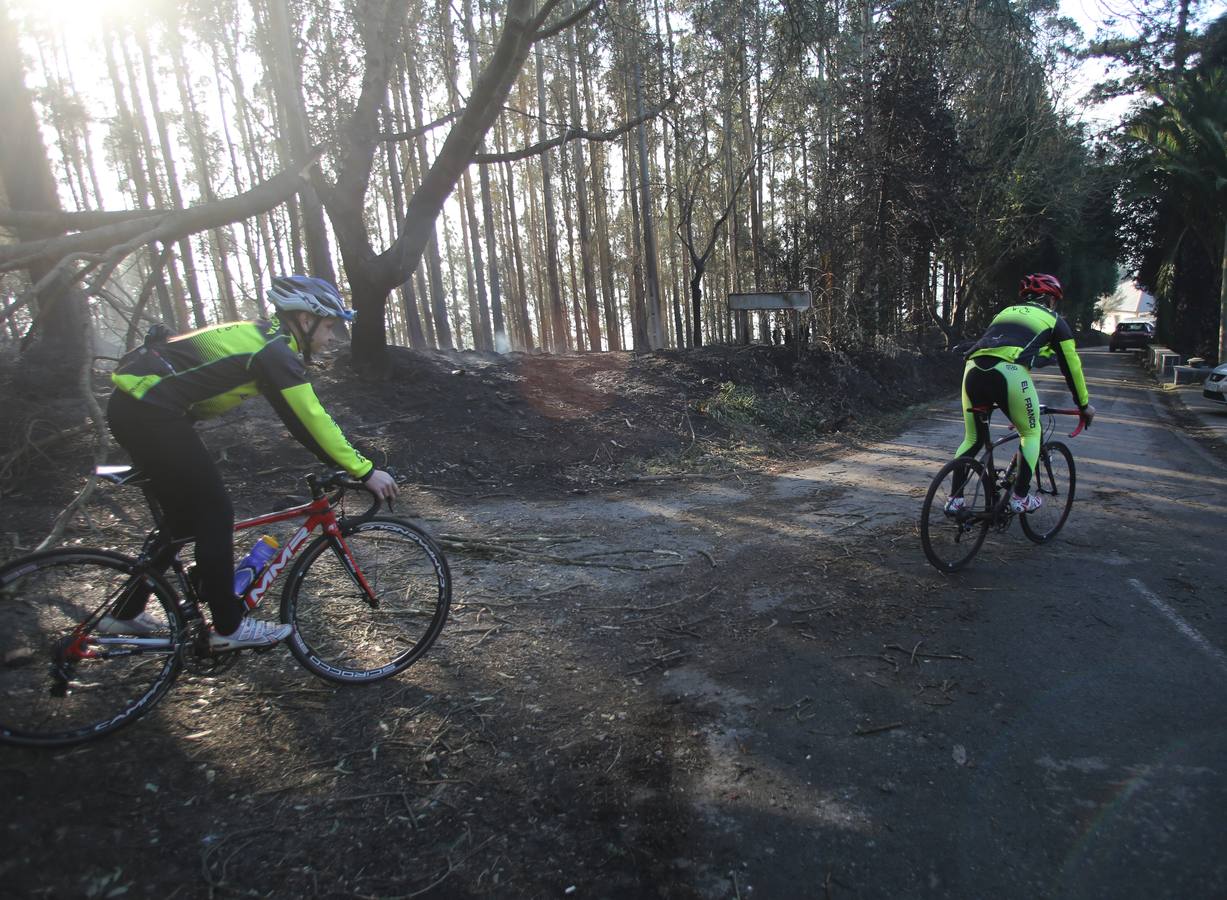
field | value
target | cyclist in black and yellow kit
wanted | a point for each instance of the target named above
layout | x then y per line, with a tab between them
998	373
162	388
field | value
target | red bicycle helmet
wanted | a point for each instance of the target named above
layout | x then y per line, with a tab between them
1039	283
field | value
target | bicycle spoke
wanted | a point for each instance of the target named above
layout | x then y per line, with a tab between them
1055	483
57	688
952	537
339	634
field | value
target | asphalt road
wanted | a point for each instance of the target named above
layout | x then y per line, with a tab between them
1055	722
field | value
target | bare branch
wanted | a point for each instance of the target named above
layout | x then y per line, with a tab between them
413	132
564	24
572	133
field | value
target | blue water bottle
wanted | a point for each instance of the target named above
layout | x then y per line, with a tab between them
253	563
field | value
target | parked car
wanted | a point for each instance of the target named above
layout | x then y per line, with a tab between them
1215	386
1131	334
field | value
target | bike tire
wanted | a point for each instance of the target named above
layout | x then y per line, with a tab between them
333	620
1055	480
60	686
951	541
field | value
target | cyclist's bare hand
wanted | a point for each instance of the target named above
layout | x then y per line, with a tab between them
381	484
1088	414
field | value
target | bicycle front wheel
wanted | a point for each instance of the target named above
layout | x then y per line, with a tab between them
367	605
62	680
1054	483
951	539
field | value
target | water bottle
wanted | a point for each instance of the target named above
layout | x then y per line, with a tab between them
253	563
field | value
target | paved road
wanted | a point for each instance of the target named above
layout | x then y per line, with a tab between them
1060	729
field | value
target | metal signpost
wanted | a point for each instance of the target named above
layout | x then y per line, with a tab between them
796	301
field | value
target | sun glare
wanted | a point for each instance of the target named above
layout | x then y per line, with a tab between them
78	17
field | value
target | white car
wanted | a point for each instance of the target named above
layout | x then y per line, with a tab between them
1215	387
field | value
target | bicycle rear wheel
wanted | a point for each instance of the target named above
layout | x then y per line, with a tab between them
950	540
1054	482
342	631
61	682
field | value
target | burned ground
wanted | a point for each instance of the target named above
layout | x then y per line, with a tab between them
540	746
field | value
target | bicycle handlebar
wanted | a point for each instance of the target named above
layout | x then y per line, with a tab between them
339	482
1061	411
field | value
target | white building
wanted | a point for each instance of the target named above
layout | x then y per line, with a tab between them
1128	303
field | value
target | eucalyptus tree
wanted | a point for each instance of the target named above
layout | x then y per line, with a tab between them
373	274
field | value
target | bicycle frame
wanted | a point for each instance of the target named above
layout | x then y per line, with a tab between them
319	513
990	468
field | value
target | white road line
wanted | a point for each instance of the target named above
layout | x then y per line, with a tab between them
1181	625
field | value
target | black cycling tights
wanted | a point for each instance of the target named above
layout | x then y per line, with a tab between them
189	488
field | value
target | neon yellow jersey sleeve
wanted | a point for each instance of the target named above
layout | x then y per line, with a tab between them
315	429
1071	368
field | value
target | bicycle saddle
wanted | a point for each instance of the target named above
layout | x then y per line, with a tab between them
121	474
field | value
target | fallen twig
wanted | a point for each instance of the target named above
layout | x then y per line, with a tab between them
913	652
875	729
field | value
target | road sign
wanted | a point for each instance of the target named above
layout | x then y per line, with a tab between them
797	300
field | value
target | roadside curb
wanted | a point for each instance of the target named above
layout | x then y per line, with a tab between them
1202	420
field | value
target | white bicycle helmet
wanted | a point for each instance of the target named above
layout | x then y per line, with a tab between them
314	295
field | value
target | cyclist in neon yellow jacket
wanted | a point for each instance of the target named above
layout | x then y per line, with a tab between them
998	373
165	386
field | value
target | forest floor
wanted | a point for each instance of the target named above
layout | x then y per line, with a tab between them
552	742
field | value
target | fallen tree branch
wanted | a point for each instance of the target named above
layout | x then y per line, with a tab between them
166	226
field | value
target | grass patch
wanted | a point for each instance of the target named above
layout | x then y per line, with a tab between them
781	413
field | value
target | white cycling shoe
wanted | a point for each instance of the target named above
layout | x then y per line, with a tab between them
250	633
955	505
141	625
1027	504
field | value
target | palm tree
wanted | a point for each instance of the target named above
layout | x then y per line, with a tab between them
1185	136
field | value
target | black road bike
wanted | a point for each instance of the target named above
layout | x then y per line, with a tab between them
952	538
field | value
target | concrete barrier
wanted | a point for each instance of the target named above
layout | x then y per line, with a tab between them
1152	355
1190	374
1166	362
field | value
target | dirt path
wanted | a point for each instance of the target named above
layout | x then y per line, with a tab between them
748	685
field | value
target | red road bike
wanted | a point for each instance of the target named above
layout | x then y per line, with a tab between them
367	596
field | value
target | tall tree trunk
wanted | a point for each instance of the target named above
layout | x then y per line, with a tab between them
537	264
568	203
221	241
251	244
591	303
413	321
265	222
434	267
154	184
478	302
655	324
144	186
639	317
287	84
558	313
521	283
499	336
29	184
613	329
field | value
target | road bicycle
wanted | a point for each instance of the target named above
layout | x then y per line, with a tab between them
952	538
367	597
